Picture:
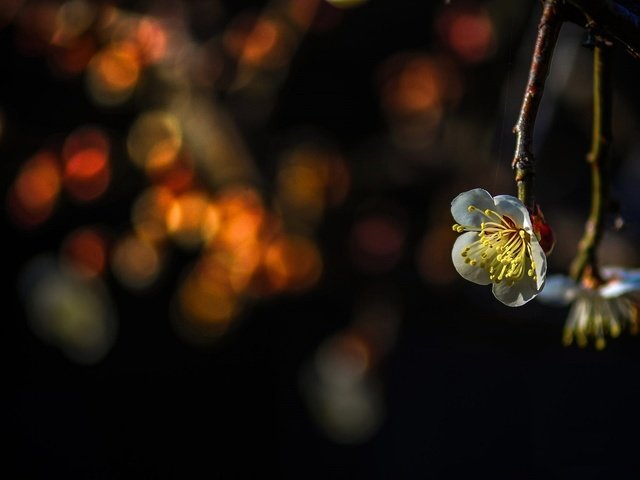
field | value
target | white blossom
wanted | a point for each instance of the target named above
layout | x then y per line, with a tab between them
498	246
596	311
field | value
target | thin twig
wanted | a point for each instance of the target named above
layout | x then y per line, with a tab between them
584	266
523	161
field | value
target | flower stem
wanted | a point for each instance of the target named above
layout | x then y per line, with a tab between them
523	160
584	266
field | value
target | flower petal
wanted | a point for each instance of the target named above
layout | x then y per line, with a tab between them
515	210
540	260
616	288
473	274
621	281
558	290
479	198
517	294
625	274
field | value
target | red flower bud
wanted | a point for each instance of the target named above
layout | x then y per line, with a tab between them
541	228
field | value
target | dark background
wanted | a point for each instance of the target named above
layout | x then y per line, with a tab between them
470	387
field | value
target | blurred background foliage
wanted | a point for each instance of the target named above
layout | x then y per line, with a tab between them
228	242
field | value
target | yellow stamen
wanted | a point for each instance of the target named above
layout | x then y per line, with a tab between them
633	322
502	248
593	317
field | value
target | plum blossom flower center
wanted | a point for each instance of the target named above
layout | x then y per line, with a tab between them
502	249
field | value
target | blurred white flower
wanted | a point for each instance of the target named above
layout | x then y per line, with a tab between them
498	245
596	311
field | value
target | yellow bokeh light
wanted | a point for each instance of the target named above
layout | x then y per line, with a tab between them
154	141
301	185
73	313
345	354
292	263
259	41
192	219
241	264
113	73
73	18
36	189
242	215
212	305
309	179
149	214
207	304
414	87
135	262
418	86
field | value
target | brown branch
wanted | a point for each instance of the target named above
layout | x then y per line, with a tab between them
523	161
